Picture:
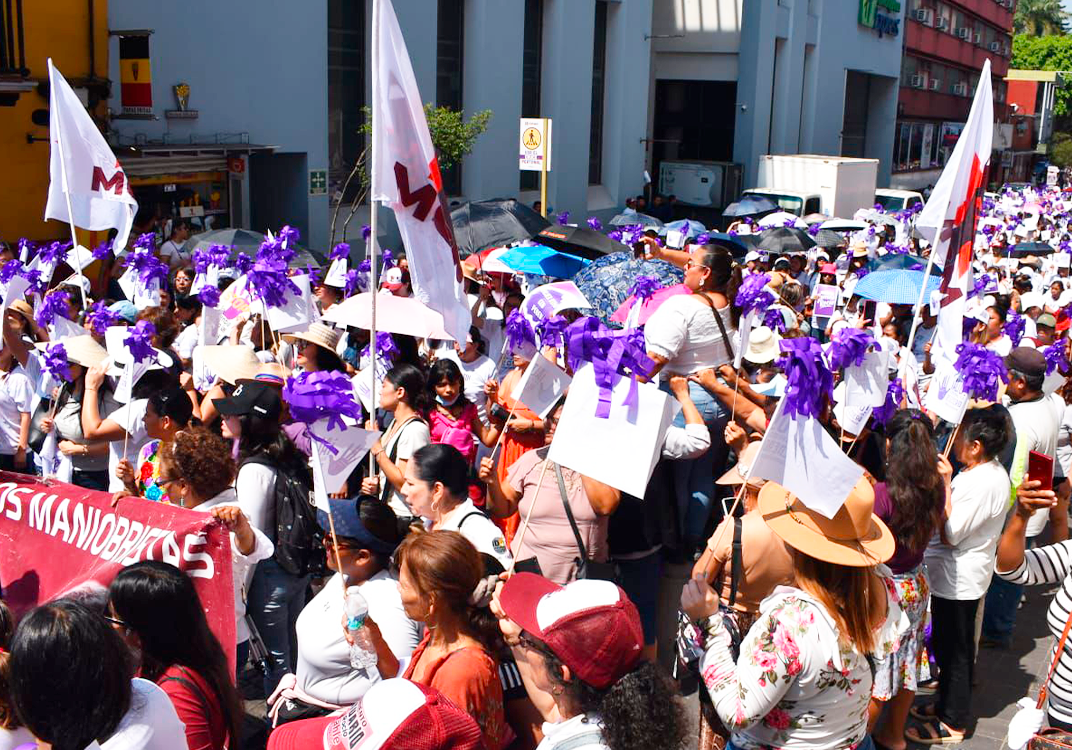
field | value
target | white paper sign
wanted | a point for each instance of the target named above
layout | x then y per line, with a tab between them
800	455
79	255
622	450
62	328
299	312
336	275
868	383
128	282
146	295
851	416
208	333
945	395
551	299
363	386
745	329
331	470
16	290
542	385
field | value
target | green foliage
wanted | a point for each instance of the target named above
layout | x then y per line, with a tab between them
1061	150
452	135
1039	17
1046	53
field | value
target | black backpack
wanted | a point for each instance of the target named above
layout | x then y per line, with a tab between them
298	536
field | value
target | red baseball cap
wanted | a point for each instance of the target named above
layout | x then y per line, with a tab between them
590	625
393	715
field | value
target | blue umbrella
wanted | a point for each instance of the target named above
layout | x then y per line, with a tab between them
607	280
690	227
892	261
897	287
750	205
542	261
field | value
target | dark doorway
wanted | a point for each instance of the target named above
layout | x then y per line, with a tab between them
694	120
279	192
854	124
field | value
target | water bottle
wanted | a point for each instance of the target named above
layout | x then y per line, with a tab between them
362	650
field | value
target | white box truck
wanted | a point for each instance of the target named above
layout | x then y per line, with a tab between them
811	183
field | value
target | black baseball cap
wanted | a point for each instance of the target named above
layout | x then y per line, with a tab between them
1030	362
257	398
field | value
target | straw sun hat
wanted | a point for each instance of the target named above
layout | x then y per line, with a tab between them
854	537
319	334
81	350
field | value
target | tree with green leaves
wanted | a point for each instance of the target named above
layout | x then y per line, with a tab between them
1047	53
452	135
1040	17
1061	150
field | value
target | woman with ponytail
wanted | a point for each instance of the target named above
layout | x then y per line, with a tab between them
690	333
584	648
912	503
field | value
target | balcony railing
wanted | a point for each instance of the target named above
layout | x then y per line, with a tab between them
12	45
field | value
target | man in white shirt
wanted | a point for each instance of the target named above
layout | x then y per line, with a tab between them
1037	419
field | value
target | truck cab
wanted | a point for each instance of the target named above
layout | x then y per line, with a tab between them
897	200
792	201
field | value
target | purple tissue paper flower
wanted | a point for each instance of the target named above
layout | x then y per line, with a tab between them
563	218
644	287
54	253
386	348
1014	327
354	282
341	251
702	239
139	340
753	294
209	296
243	263
99	318
519	332
37	283
980	369
288	237
313	396
595	223
10	270
849	347
808	381
813	230
365	266
56	303
1057	358
55	361
103	250
615	234
552	331
388	261
366	232
894	394
269	281
774	320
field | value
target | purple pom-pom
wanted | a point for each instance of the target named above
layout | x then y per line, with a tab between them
10	270
313	396
366	232
1057	358
388	261
1014	327
56	303
269	281
100	318
365	266
341	251
55	361
552	331
702	239
644	287
243	263
894	395
386	348
519	332
813	230
808	381
209	296
103	250
354	282
139	341
615	234
753	295
54	253
774	319
980	369
595	223
849	347
563	218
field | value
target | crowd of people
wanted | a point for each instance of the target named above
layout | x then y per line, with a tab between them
513	601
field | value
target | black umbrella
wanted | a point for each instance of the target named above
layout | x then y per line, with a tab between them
785	240
479	225
739	244
829	238
750	205
583	242
1023	249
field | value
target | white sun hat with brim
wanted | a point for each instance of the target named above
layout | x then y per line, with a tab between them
81	350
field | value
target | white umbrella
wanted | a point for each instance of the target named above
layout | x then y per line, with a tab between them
631	217
492	264
780	218
402	315
843	225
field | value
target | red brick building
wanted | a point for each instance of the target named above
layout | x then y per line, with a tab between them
946	43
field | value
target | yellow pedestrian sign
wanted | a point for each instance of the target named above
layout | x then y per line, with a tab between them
535	144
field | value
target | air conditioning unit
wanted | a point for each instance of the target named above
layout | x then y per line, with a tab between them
995	46
978	38
917	81
960	89
963	32
923	15
935	84
941	23
1005	50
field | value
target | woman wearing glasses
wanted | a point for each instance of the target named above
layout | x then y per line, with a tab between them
197	472
690	333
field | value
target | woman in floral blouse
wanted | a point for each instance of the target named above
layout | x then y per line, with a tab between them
803	677
167	412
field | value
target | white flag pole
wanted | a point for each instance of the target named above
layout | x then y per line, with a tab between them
373	271
66	188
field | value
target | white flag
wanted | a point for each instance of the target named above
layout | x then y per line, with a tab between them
406	177
83	166
948	218
542	385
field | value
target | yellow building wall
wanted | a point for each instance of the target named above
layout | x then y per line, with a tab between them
60	29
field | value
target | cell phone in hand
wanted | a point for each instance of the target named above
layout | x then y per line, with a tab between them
870	311
1040	469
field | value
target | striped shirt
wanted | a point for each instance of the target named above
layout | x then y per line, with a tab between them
1052	564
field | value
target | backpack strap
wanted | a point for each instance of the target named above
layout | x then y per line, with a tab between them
569	513
735	571
392	456
469	515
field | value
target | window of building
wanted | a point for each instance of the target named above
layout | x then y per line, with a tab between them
450	48
346	93
532	74
599	81
917	146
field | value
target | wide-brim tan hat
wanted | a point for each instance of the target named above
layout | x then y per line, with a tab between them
22	307
762	345
738	473
859	250
81	350
232	363
855	537
319	334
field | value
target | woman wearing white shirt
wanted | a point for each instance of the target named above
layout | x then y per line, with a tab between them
366	532
960	562
16	395
197	472
276	597
687	334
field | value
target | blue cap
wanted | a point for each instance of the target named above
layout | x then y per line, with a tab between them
347	517
125	309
